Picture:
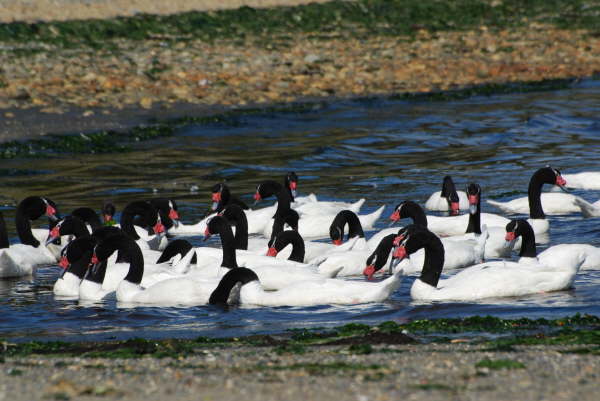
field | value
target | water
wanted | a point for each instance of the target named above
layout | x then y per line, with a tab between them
385	151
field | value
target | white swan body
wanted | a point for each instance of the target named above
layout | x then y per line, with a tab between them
588	209
583	180
559	254
67	286
554	203
274	273
500	279
317	226
438	203
320	292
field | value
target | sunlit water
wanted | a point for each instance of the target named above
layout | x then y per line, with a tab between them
385	151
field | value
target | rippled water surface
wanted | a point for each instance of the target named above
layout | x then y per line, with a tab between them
385	151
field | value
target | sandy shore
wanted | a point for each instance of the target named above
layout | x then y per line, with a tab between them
390	372
62	10
52	89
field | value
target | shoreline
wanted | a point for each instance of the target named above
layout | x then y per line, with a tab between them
120	72
426	359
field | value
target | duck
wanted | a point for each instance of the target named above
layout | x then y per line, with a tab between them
108	212
537	204
242	285
485	280
448	199
521	229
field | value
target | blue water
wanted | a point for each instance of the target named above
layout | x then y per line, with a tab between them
385	151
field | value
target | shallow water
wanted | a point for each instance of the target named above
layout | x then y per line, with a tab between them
385	151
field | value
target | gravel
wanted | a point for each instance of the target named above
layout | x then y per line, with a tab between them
408	372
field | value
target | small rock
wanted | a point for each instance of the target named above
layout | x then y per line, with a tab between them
311	58
88	113
8	114
146	102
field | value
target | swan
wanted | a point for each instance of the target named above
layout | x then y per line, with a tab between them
20	259
242	286
274	273
75	264
588	209
176	290
350	259
167	210
11	258
448	199
583	180
148	215
486	280
443	226
556	254
495	245
458	253
309	225
310	204
537	203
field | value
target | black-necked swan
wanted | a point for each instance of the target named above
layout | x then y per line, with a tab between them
310	225
242	286
554	255
485	280
538	204
31	250
275	273
12	262
443	226
167	209
148	214
583	180
448	199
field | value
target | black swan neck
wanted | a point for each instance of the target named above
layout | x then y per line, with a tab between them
291	237
434	259
474	225
528	248
3	233
31	208
534	192
348	217
240	276
138	208
219	224
412	210
382	252
89	216
235	214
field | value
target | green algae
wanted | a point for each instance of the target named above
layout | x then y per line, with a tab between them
499	364
569	331
360	18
